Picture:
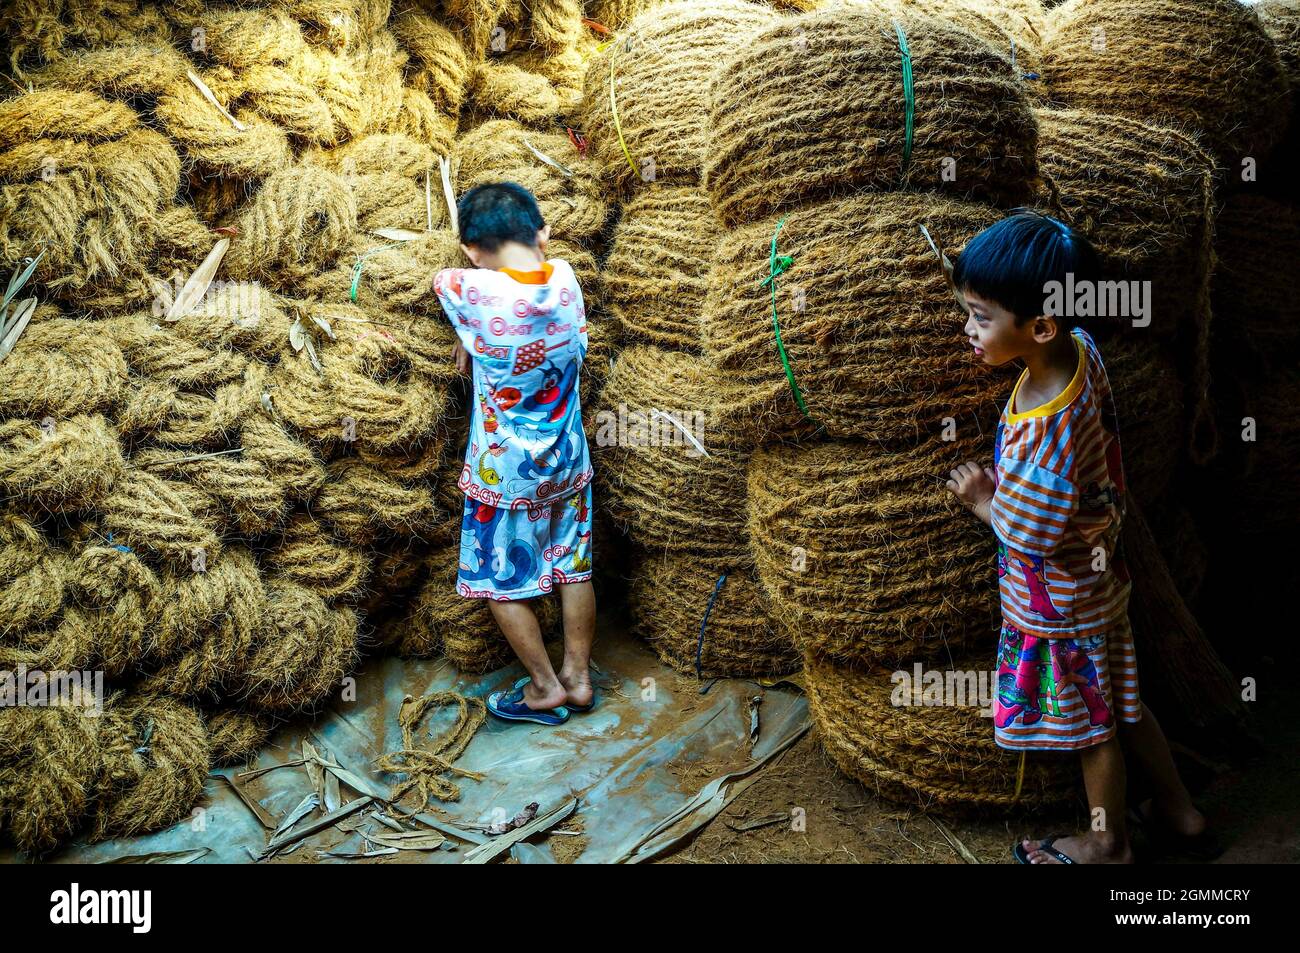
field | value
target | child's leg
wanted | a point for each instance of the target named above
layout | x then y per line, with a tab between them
1145	741
578	599
519	623
1103	776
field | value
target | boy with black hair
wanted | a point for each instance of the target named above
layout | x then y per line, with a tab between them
526	527
1067	672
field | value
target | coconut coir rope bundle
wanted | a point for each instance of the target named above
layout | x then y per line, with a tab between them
310	556
440	63
362	505
788	110
235	736
1253	293
650	378
50	762
61	367
306	650
669	597
1148	401
665	490
1144	195
659	69
658	265
1204	65
870	328
61	465
939	757
155	759
867	557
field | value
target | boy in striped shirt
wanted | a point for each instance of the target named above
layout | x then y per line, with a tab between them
1067	673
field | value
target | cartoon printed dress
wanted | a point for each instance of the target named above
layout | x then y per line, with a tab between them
527	471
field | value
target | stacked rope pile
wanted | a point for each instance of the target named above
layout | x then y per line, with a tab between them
663	467
1239	107
213	497
829	309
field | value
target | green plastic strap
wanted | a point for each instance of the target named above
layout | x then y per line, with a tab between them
775	267
361	261
909	98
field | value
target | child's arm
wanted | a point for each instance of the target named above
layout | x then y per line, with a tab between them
447	288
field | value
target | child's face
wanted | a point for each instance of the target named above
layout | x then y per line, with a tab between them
995	336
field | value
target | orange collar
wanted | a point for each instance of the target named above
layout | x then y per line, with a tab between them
539	276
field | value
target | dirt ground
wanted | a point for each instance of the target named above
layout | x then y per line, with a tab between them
1253	805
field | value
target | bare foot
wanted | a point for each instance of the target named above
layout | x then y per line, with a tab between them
540	699
577	687
1080	848
1181	818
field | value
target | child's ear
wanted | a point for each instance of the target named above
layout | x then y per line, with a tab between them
543	236
470	254
1045	328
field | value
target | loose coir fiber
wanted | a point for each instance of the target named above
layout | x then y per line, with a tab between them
661	63
870	326
867	558
236	736
658	266
813	108
1204	65
668	597
939	757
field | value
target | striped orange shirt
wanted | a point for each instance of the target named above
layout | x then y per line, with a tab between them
1058	507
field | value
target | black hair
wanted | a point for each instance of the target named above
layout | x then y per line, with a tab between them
498	212
1012	261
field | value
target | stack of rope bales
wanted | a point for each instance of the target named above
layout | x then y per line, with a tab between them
668	474
1163	46
868	562
214	504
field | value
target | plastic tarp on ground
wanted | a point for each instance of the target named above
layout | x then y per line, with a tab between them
640	766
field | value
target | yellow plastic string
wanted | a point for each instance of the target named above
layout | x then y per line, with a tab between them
613	108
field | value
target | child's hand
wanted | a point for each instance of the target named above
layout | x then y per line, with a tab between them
974	486
461	356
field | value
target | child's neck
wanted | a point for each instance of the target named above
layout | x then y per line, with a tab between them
1050	370
519	257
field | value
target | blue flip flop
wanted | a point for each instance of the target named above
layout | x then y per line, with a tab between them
511	707
580	709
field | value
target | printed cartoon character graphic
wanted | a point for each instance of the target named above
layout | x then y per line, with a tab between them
1094	497
520	560
1032	571
490	424
554	383
1033	670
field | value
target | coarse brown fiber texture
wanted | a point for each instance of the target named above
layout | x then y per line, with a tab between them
813	108
660	66
1204	65
867	558
940	758
656	275
870	326
668	599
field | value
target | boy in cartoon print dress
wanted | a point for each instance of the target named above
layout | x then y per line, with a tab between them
526	529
